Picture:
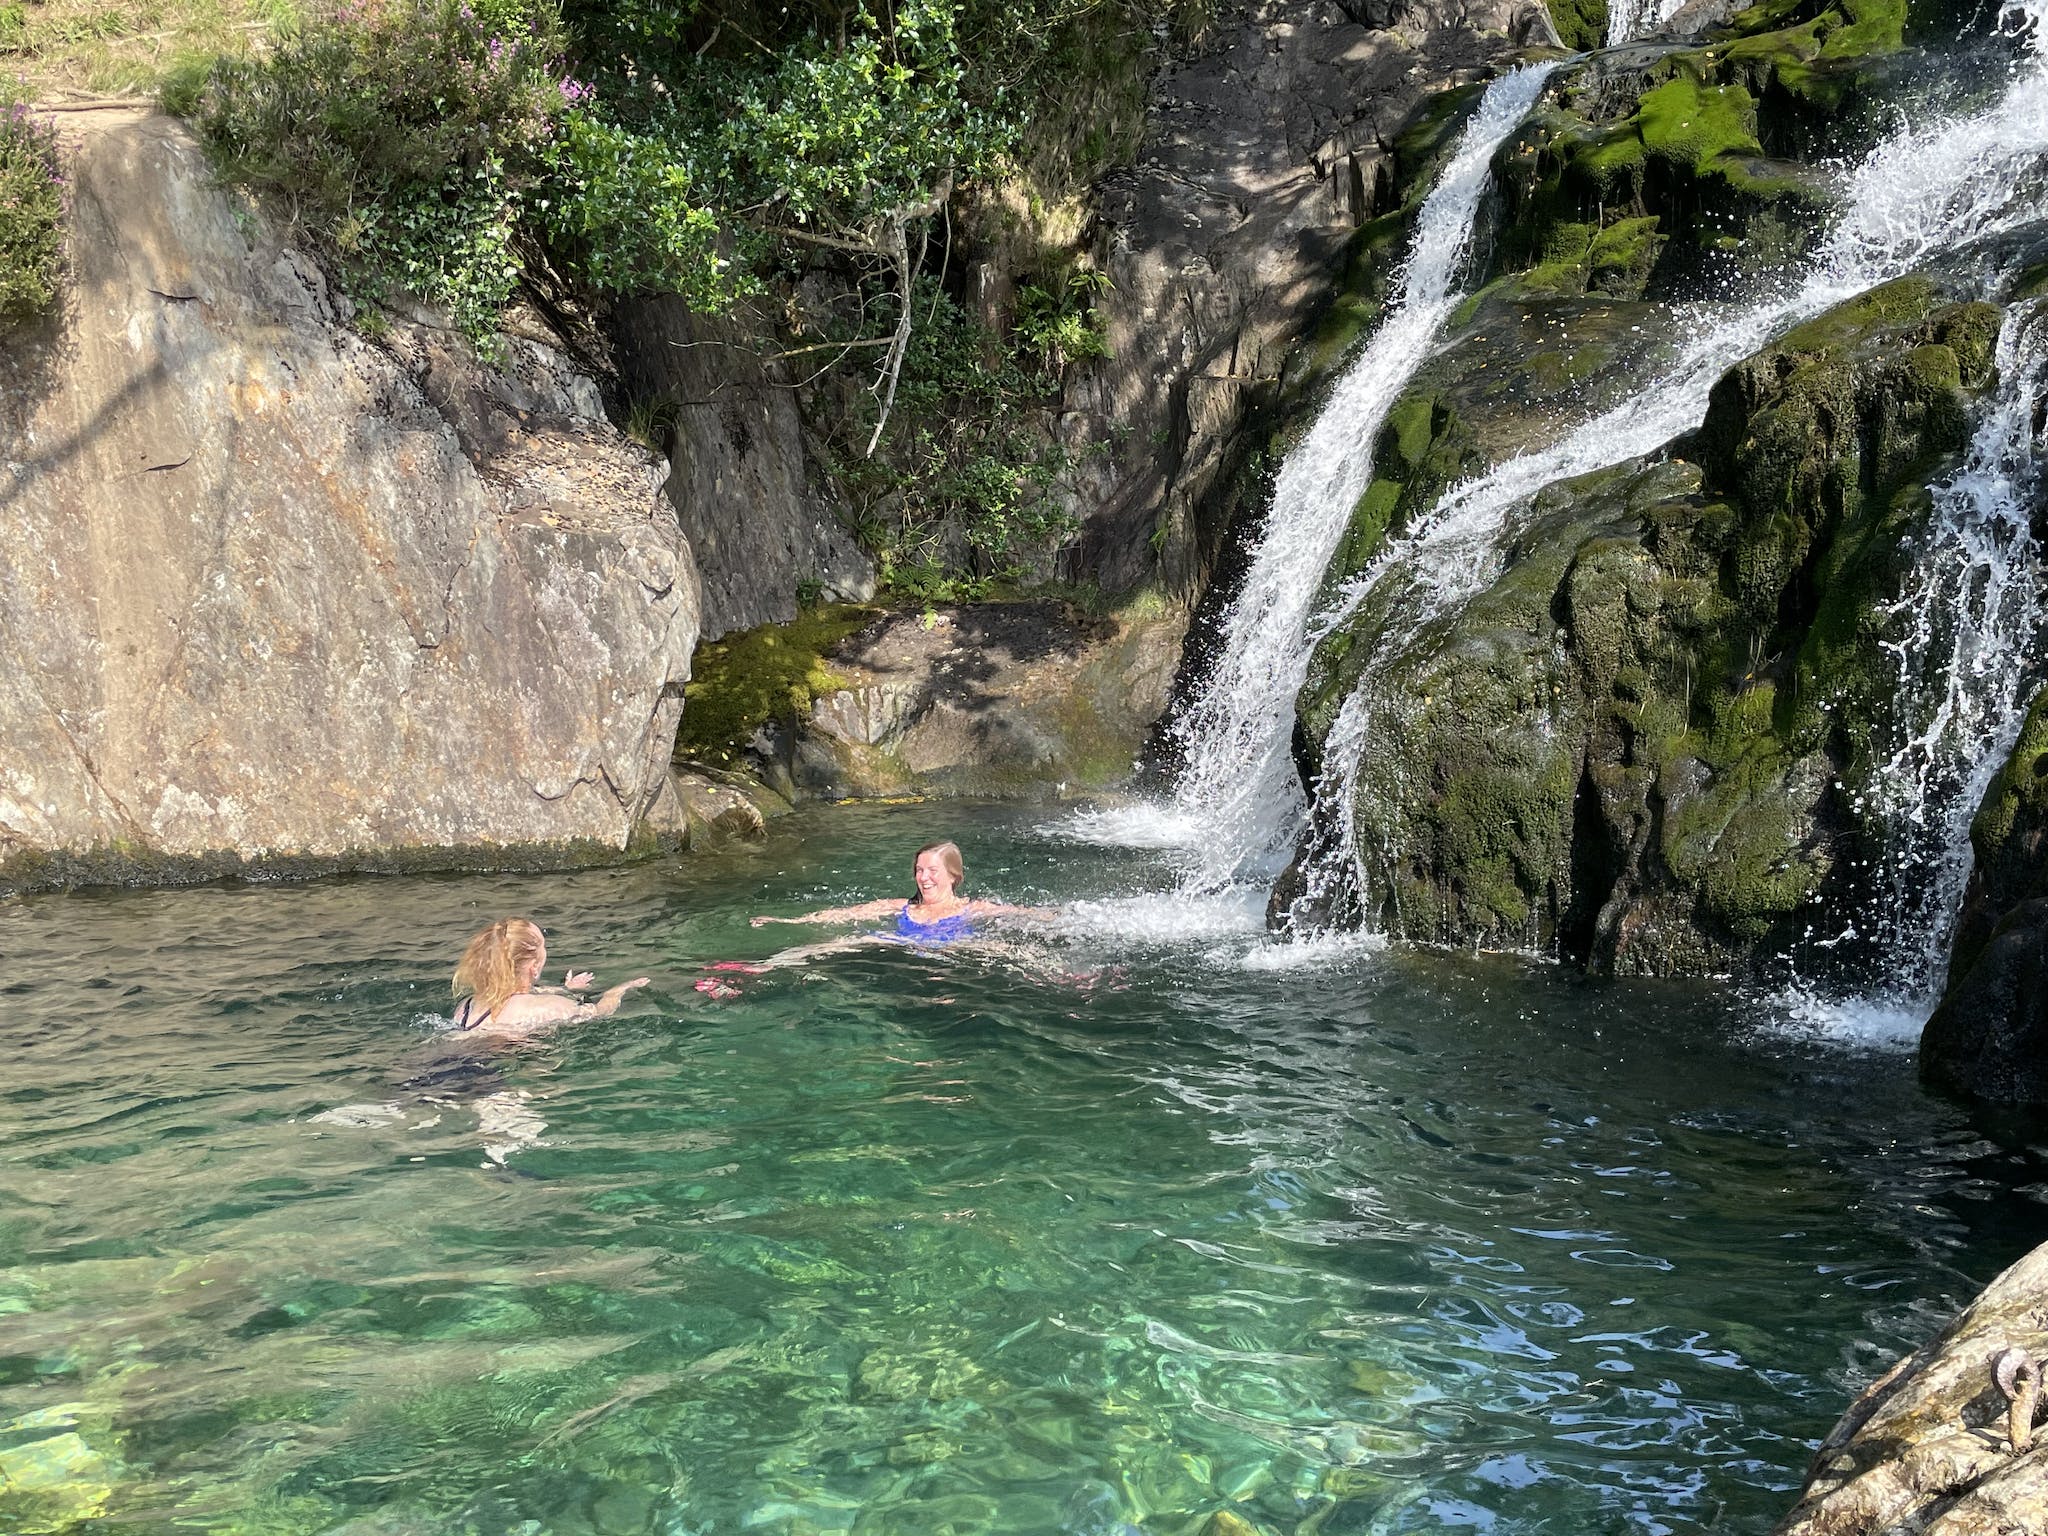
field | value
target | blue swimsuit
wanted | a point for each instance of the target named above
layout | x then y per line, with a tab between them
959	926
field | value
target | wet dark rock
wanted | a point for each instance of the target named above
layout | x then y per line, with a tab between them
1988	1040
1641	744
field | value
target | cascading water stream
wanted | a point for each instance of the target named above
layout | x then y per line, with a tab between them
1630	19
1926	190
1973	611
1237	803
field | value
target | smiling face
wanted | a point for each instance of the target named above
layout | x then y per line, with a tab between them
934	879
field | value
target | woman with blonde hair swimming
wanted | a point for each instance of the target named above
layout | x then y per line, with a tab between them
498	985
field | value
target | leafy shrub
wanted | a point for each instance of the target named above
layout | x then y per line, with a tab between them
31	213
407	134
1056	317
965	462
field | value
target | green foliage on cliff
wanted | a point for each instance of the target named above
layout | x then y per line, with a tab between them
469	151
453	149
960	497
31	213
437	147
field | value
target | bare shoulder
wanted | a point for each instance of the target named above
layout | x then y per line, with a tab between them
536	1008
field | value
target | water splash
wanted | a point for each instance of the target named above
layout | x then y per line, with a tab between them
1630	19
1972	612
1237	803
1928	189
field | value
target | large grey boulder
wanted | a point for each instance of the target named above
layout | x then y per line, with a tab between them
270	590
1943	1444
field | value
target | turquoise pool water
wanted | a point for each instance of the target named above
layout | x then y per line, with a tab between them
1104	1233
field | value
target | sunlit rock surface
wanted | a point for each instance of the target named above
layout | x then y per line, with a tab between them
1930	1447
1026	698
270	590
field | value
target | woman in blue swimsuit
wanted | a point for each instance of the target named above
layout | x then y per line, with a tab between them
937	914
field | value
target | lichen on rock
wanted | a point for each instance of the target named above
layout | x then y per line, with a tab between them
1934	1445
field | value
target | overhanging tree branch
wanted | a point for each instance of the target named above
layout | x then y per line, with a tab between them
896	246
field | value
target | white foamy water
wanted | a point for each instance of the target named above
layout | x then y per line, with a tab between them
1928	189
1629	19
1236	805
1163	919
1302	952
1971	615
1861	1023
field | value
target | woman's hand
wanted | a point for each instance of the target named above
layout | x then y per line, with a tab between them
576	981
762	922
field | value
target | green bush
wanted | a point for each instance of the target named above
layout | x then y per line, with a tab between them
408	135
31	213
962	463
1056	317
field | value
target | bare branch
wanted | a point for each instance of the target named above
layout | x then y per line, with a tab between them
827	346
811	237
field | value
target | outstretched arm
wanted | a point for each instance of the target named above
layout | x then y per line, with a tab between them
541	1008
573	981
883	908
608	1004
1004	909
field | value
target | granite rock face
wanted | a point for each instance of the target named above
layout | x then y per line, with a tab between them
983	699
761	519
1936	1446
272	591
1262	156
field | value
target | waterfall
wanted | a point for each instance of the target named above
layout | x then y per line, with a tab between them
1628	19
1237	803
1925	190
1972	612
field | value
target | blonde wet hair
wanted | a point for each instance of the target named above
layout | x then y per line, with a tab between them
488	973
949	855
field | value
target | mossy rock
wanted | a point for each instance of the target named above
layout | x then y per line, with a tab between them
53	1478
1581	24
1642	744
760	676
1720	143
2009	836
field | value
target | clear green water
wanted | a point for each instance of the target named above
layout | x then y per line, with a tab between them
929	1244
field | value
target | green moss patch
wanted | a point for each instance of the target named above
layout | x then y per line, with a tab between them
740	683
1581	24
1645	741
